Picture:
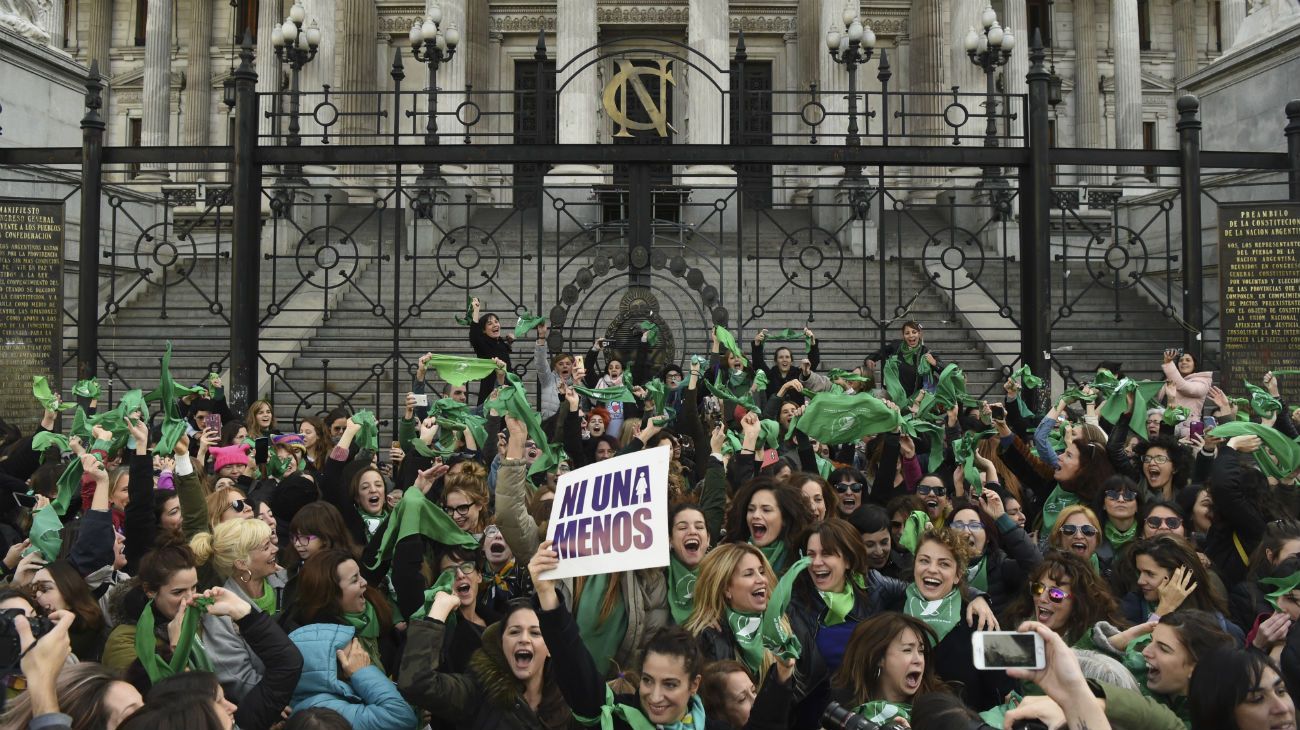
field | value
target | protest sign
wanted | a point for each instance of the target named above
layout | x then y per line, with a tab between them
612	516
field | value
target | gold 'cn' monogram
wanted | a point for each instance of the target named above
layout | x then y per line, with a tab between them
616	98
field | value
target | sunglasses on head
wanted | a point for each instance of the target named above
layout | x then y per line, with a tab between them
925	490
237	505
1121	495
1054	594
1072	530
461	510
1172	523
854	487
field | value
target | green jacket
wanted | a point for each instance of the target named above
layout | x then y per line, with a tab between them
1128	709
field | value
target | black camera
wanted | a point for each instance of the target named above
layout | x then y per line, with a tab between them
11	647
836	717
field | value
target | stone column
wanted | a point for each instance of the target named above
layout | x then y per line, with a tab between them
499	124
355	68
1231	15
1087	96
791	128
197	123
157	84
315	75
576	31
58	38
833	78
968	14
928	58
99	37
706	102
1128	82
270	13
1185	51
1016	71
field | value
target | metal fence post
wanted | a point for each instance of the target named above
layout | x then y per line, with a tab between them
1189	187
246	247
1035	232
92	178
1293	145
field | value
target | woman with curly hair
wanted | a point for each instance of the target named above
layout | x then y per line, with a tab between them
1067	596
771	516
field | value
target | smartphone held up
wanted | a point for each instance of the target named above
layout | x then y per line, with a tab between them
1008	650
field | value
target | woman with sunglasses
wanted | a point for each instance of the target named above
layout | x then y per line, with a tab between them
1078	531
1158	517
228	503
1067	596
1170	576
935	496
850	487
1001	553
1120	503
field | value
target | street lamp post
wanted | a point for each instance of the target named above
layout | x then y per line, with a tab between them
296	43
432	45
851	47
990	51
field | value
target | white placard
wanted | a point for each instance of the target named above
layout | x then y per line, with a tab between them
612	516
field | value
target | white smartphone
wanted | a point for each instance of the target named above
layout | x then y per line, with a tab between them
421	400
1008	650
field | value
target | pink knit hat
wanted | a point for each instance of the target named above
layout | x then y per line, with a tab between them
224	456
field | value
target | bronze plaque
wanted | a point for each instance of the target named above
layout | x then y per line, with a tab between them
31	304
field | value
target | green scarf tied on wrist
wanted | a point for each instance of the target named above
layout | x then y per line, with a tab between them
88	389
460	370
1279	457
913	527
840	419
652	332
48	400
189	653
618	393
840	603
881	711
368	437
1028	381
512	399
527	322
681	589
1275	588
1119	538
445	583
1117	404
601	636
169	392
756	634
1261	402
964	451
416	515
791	334
367	628
468	318
46	533
1176	415
941	615
728	342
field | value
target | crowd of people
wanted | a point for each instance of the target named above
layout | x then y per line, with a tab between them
837	537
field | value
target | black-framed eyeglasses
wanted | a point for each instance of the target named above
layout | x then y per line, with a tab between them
1054	594
925	490
465	569
1121	495
1072	530
299	539
1158	459
1172	523
237	505
855	487
461	510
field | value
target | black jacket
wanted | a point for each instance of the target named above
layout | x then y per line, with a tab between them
810	674
1009	567
954	661
487	348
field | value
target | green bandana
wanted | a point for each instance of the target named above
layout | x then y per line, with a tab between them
1056	439
724	393
839	604
1058	500
460	370
455	416
1117	403
48	400
913	356
613	711
881	712
43	440
996	716
619	393
366	624
1261	402
88	389
760	381
512	398
681	589
727	342
847	376
913	527
277	465
841	419
652	330
965	451
468	318
977	575
416	515
790	334
1176	415
527	322
170	392
1279	457
46	533
1028	381
189	653
756	634
368	437
601	637
657	393
444	584
1275	588
919	428
950	391
942	615
775	554
1119	538
267	603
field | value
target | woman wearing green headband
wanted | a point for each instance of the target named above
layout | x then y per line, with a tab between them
669	670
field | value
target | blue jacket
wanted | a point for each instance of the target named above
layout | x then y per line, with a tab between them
369	701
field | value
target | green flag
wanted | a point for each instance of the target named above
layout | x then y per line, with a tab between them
840	419
727	342
460	370
368	437
48	400
1279	457
526	323
170	392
